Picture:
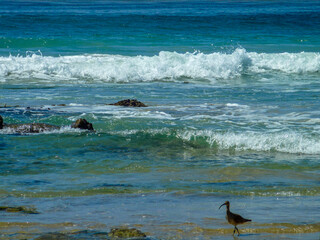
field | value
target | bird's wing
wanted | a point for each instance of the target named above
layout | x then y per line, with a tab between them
239	219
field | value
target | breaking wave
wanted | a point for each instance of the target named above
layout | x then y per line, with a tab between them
285	142
166	66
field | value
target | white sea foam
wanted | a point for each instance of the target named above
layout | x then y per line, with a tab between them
285	142
166	66
279	141
62	130
113	112
304	62
140	114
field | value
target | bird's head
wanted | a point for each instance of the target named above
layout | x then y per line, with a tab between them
226	203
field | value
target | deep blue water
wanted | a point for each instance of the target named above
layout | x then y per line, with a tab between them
233	95
148	27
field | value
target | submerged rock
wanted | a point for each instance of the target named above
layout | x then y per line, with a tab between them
42	127
126	233
129	103
116	233
54	236
19	209
32	127
90	234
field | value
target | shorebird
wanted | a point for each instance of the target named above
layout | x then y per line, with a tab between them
233	218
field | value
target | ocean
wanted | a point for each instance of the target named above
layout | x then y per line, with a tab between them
232	90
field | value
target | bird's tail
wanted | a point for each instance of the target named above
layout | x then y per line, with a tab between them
247	220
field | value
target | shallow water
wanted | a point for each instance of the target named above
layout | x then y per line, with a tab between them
232	90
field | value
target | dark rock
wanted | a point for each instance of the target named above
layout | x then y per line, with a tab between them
60	105
19	209
1	122
129	103
126	233
42	127
54	236
82	124
8	106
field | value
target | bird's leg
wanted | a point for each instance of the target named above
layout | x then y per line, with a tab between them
234	230
237	230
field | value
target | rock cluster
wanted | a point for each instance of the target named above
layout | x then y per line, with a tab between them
42	127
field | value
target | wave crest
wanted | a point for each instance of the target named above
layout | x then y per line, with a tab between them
166	66
284	142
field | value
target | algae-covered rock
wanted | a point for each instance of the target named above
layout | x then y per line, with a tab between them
19	209
116	233
129	103
126	233
54	236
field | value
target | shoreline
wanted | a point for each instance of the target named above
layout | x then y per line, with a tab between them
32	230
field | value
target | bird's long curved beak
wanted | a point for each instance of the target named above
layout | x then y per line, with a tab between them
222	205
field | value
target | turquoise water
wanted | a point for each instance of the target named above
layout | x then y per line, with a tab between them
232	89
